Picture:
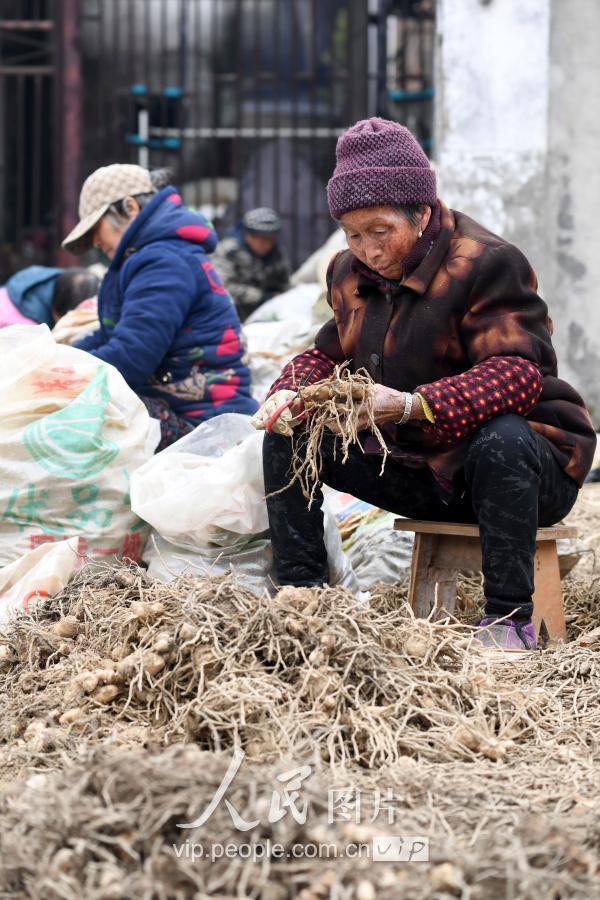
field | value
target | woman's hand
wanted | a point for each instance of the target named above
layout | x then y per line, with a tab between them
388	406
286	420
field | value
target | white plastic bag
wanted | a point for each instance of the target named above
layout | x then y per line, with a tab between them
71	433
315	267
78	323
295	304
200	526
277	331
210	479
377	552
40	573
249	558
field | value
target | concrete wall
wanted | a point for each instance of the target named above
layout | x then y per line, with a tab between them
518	146
573	188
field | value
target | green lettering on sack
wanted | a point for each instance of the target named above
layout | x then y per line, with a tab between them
87	510
69	443
26	509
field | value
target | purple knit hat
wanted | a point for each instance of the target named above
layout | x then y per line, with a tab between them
379	163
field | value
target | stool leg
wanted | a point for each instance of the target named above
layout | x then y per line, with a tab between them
446	591
548	606
421	594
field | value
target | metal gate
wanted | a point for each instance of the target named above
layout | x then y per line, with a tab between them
242	99
27	139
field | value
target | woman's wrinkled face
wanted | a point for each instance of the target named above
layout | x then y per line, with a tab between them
381	237
108	231
106	236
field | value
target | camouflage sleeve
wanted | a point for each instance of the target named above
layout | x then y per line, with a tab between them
506	316
327	339
245	296
278	276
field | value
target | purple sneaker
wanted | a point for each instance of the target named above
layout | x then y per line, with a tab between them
506	634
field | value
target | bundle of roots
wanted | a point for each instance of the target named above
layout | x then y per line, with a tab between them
340	402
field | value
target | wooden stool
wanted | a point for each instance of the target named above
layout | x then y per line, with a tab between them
443	549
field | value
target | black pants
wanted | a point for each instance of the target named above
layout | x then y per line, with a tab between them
513	484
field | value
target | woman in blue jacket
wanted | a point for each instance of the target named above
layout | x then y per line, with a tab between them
166	321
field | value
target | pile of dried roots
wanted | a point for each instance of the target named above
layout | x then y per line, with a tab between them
105	826
306	672
205	660
581	598
498	765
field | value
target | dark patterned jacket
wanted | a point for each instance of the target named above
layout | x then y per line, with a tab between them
251	279
467	330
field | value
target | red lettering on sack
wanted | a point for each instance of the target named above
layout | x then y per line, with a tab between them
60	384
36	540
132	547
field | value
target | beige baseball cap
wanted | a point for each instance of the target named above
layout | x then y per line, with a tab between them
103	187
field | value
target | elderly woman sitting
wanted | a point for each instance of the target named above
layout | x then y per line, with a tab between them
445	317
166	321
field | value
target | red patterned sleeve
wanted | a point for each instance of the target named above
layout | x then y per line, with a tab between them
311	366
495	387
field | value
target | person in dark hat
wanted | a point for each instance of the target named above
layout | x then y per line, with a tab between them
252	263
446	318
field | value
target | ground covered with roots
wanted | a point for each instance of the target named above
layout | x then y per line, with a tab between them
124	700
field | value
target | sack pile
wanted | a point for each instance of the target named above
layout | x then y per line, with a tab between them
71	434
